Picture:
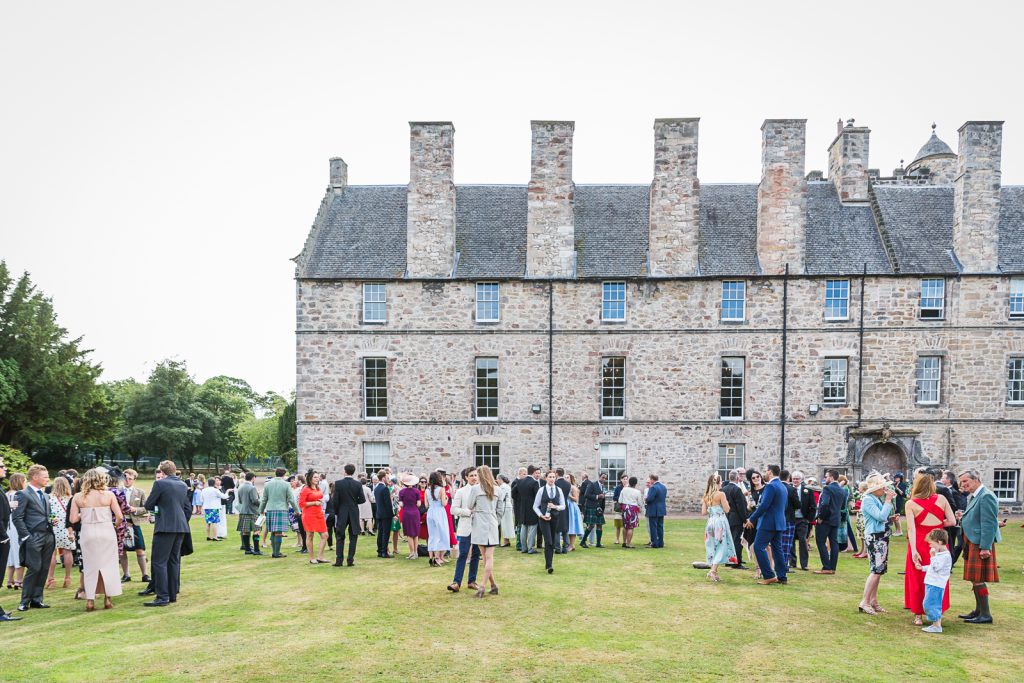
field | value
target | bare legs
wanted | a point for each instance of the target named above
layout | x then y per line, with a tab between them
870	597
487	553
323	544
413	550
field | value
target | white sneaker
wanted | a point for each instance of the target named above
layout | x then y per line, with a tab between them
932	629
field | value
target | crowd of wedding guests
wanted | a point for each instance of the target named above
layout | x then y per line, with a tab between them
773	515
95	521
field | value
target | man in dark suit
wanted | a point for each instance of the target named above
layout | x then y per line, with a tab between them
793	502
383	513
528	488
655	505
562	534
804	515
5	542
737	514
345	502
227	485
169	500
829	516
770	518
517	507
35	535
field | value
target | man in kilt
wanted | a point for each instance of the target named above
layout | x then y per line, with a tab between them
248	507
275	503
980	524
593	508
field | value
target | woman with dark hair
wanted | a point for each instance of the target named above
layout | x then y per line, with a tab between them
900	484
422	489
437	520
486	510
755	486
212	496
313	521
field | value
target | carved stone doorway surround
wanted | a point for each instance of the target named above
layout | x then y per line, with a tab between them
878	447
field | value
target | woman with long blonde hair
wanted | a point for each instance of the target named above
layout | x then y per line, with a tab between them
60	498
486	508
98	511
718	544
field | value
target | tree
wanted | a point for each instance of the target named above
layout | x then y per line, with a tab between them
48	389
228	402
15	460
166	417
287	437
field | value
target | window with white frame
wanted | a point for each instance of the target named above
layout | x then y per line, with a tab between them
933	298
375	302
613	387
734	300
613	462
613	301
731	406
488	454
1017	298
487	302
375	387
486	388
1015	381
929	379
834	382
730	456
837	299
376	456
1004	485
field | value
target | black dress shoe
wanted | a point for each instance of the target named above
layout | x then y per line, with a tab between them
979	620
7	616
125	578
351	563
248	552
36	604
145	578
551	570
148	591
22	608
338	564
157	603
970	615
257	552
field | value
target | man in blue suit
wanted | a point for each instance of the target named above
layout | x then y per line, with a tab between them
770	518
655	502
829	516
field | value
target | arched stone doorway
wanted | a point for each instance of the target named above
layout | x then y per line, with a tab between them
885	457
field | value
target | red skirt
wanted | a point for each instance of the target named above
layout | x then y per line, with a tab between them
313	519
978	570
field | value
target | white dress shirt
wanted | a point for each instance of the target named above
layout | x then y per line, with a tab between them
554	493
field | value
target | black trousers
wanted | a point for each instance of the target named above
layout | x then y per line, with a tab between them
803	530
548	532
5	549
38	550
829	556
956	542
166	565
737	534
339	542
383	535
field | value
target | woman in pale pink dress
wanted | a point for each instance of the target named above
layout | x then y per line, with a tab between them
98	511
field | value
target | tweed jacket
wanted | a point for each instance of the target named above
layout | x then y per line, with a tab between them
248	502
136	499
277	495
981	519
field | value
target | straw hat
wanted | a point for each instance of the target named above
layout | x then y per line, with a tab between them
874	483
410	480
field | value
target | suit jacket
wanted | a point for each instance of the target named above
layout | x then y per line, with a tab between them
655	500
382	503
527	489
345	502
792	503
737	504
805	496
32	515
515	500
170	494
5	516
137	499
831	504
980	521
248	499
770	513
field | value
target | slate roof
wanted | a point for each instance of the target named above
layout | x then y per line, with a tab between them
932	147
361	232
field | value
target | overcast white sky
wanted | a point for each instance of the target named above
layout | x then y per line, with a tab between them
162	162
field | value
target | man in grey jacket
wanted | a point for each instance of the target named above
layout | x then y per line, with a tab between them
248	500
32	521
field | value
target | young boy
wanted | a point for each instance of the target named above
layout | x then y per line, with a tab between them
935	579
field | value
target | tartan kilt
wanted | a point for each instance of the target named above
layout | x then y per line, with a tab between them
246	524
593	515
978	570
278	521
787	541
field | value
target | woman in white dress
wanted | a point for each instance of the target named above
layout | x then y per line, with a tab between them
485	510
365	510
15	572
222	526
508	521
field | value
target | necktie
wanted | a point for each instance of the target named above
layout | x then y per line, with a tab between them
42	499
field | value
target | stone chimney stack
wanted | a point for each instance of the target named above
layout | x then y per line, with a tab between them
430	238
675	198
550	224
339	174
848	162
976	196
782	196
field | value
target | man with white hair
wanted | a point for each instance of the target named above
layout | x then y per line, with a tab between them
803	514
737	514
980	523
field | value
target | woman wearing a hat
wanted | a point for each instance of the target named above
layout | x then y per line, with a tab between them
409	496
876	516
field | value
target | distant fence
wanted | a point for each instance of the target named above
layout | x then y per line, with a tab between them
148	464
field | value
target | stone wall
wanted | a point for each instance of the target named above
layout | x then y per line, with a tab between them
430	248
675	198
550	224
848	163
976	196
782	196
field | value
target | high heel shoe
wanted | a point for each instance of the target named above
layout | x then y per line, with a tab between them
107	604
494	590
90	606
713	577
50	583
866	609
67	582
878	609
479	594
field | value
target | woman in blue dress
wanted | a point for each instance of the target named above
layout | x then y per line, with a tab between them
575	518
438	539
717	537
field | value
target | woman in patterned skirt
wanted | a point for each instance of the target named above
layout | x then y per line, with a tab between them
631	501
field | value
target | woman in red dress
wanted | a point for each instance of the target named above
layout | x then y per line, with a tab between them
313	521
448	509
424	536
925	511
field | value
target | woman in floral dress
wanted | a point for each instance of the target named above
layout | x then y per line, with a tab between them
718	544
60	498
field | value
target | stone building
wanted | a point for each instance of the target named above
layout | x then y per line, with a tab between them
675	327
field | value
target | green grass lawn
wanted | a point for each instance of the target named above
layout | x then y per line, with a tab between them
604	615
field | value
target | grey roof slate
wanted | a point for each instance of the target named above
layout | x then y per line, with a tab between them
1011	229
490	230
918	223
611	230
932	147
728	235
841	238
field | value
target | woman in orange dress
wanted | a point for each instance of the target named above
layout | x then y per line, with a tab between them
313	521
925	512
